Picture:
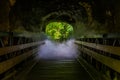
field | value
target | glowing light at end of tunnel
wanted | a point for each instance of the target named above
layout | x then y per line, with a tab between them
59	30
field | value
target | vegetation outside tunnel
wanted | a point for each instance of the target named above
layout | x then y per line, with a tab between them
59	31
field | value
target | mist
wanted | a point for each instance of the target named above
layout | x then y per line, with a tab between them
56	50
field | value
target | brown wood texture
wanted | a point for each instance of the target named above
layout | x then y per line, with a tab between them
110	62
10	49
110	49
6	65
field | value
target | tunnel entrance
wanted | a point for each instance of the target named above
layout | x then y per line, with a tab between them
59	31
59	44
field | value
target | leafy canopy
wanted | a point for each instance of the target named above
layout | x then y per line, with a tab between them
59	30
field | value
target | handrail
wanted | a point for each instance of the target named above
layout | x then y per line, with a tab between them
106	60
8	64
110	49
10	49
110	62
5	65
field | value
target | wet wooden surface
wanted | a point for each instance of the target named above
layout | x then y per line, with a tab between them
58	70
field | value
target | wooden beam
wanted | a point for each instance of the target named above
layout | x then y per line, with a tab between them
10	49
110	49
6	65
110	62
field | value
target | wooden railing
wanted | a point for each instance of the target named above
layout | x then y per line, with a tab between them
10	49
11	62
107	55
106	48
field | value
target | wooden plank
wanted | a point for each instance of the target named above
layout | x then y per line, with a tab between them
110	62
110	49
10	49
6	65
9	75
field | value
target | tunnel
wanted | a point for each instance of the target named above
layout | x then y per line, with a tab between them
89	50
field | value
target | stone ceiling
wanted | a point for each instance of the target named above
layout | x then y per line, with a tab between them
93	15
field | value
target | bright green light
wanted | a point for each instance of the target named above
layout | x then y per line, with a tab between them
59	30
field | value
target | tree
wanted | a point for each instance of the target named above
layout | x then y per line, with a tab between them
59	30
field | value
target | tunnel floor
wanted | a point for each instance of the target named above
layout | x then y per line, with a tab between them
58	70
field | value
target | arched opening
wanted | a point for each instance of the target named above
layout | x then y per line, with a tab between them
59	31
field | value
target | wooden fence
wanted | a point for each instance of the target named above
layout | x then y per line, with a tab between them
107	55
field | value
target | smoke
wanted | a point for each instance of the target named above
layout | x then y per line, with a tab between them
55	50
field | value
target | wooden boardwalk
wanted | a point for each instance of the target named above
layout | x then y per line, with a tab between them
58	70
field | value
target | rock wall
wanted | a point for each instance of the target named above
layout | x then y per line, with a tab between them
4	15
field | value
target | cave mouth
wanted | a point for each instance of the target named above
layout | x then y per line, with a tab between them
59	31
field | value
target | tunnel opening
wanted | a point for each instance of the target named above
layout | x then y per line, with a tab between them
59	31
60	42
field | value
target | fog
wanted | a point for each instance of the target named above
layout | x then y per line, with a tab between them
56	50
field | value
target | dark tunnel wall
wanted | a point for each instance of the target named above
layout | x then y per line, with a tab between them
4	15
117	15
90	16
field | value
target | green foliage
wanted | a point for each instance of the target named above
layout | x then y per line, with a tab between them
59	30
